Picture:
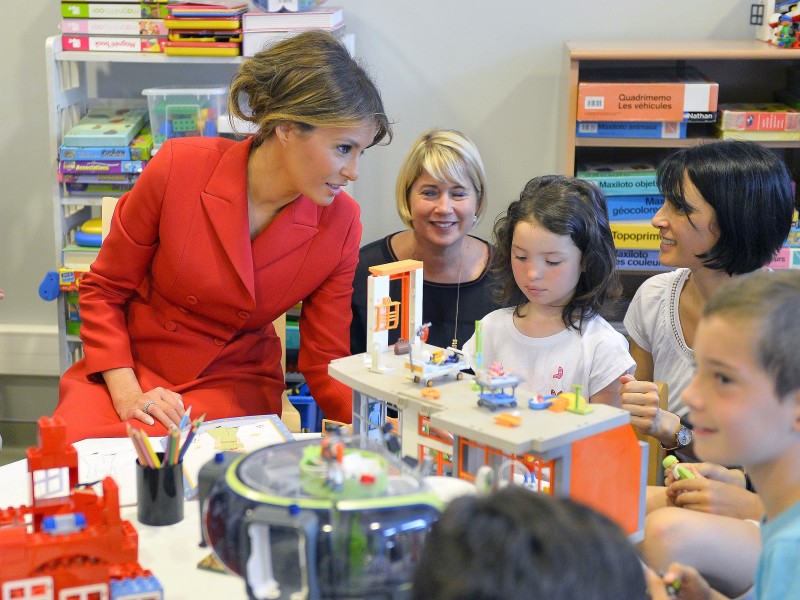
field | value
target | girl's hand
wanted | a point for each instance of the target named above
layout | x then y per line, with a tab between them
158	404
640	398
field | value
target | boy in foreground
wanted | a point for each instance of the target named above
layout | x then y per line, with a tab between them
745	409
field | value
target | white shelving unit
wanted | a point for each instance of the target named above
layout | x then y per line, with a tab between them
78	80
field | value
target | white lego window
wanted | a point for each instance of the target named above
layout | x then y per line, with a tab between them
36	588
51	483
97	591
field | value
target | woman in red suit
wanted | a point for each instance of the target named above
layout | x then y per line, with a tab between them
216	240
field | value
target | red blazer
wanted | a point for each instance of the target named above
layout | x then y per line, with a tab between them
179	290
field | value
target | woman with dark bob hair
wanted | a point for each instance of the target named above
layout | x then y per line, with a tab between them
728	209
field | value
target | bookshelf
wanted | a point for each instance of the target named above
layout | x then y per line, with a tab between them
78	80
746	70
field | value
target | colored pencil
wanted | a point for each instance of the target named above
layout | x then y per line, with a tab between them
174	446
149	447
190	437
142	458
185	419
168	449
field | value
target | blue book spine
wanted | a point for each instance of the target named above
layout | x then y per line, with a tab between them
624	185
629	208
636	259
631	129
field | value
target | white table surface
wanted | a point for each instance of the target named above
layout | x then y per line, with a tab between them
170	552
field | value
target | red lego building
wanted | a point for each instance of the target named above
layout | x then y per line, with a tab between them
69	543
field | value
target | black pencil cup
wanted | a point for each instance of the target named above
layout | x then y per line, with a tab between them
159	494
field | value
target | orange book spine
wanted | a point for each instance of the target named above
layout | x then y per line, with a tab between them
627	101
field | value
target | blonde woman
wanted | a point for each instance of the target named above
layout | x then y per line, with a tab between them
440	195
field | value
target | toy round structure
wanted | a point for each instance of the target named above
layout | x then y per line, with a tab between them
363	474
270	520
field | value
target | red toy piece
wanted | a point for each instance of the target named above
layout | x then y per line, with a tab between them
69	542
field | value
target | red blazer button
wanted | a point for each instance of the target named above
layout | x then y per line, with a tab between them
243	314
170	326
219	342
191	299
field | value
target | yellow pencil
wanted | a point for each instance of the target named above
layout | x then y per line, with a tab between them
150	452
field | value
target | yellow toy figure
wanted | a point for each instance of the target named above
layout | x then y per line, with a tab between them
576	402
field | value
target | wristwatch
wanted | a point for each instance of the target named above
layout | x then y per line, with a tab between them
683	437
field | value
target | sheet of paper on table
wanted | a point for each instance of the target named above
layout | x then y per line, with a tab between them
240	434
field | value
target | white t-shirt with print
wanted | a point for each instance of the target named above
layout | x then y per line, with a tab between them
553	364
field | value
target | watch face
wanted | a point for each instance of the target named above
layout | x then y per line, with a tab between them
684	436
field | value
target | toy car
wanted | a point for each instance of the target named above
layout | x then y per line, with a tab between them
496	400
492	384
436	364
540	402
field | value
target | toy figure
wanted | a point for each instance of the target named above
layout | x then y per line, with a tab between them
784	35
332	455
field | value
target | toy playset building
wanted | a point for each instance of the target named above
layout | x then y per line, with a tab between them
69	543
592	456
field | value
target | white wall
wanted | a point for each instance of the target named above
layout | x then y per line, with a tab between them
489	69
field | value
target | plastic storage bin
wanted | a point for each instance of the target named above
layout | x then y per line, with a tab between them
310	414
184	112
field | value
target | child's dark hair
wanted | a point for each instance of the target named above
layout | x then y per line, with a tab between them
750	190
515	544
564	206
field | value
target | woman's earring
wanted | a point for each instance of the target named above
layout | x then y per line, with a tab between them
474	219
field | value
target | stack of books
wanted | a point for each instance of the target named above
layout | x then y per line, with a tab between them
789	256
105	151
758	122
205	29
633	199
261	29
631	103
114	26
